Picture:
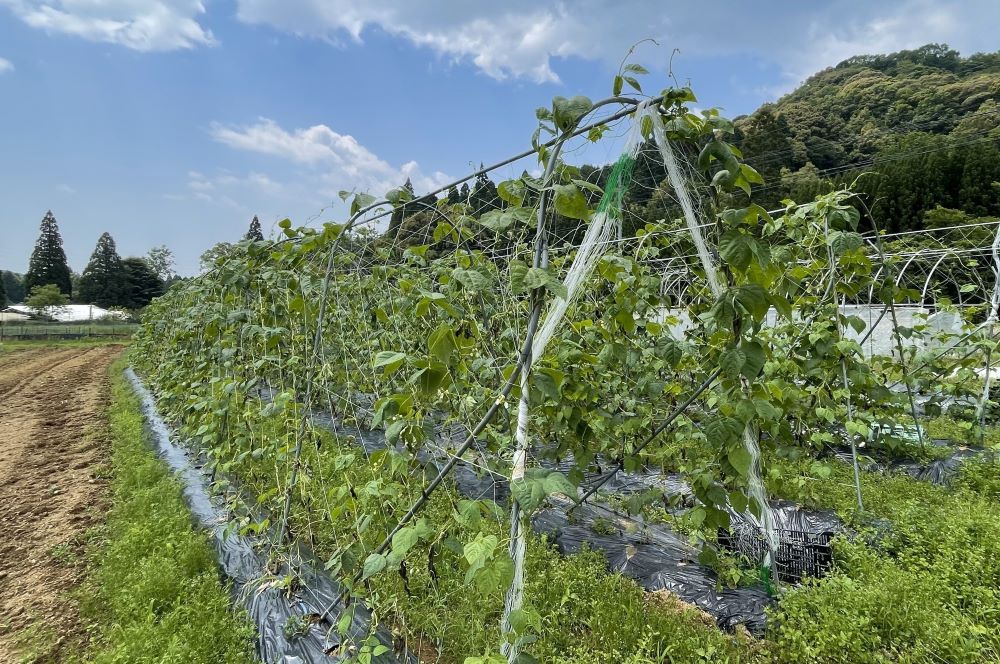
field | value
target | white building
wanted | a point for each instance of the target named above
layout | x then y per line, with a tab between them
73	313
7	316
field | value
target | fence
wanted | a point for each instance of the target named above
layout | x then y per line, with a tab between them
65	331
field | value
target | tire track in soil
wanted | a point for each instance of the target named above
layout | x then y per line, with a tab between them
53	440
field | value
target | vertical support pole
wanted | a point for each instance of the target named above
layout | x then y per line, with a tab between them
895	333
981	408
843	362
854	445
994	312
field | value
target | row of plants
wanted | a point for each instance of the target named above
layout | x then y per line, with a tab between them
412	340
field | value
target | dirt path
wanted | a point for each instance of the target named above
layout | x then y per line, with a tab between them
52	445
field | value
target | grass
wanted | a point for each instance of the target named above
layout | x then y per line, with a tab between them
920	584
964	432
153	593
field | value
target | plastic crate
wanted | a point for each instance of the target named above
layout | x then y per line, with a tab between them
800	554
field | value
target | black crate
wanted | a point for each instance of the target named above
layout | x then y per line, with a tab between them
799	553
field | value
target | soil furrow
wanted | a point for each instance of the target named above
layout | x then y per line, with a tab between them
52	447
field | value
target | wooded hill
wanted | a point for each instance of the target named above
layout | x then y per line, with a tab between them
924	123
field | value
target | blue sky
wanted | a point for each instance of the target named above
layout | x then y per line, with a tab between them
175	121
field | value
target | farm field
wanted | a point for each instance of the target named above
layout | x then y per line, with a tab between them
53	448
100	562
686	405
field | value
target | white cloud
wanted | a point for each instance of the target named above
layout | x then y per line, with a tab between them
522	38
143	25
516	38
65	189
6	66
828	39
526	38
338	160
224	188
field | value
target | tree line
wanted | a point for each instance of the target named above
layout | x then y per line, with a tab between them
108	281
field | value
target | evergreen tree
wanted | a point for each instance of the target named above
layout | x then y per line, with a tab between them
484	195
255	234
48	260
453	195
464	193
14	286
142	284
103	281
3	295
401	211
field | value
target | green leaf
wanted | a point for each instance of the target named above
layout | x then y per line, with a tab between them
616	88
399	196
521	619
513	192
477	553
495	574
722	429
843	242
766	410
472	279
556	482
738	501
537	277
732	361
570	202
589	186
754	359
518	275
501	220
374	564
740	460
753	299
636	69
393	430
360	202
750	174
404	540
431	378
735	249
857	323
391	360
442	343
546	381
528	492
469	513
567	112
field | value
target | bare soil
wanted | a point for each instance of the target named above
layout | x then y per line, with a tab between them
53	454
